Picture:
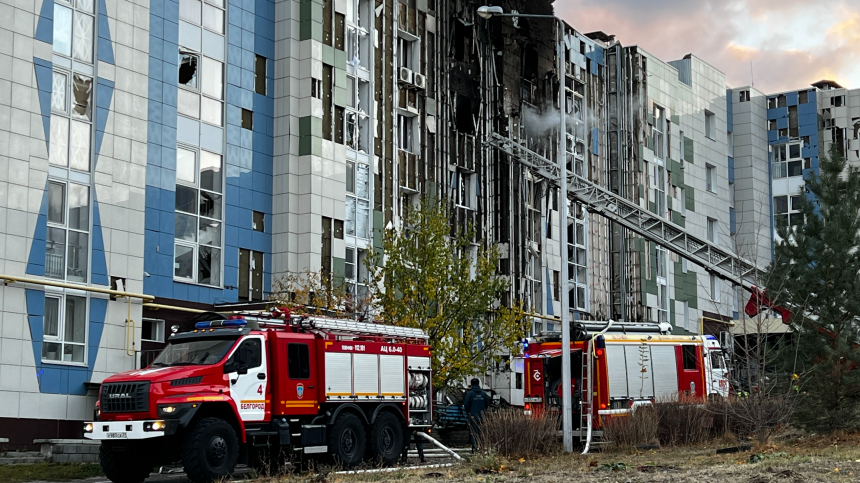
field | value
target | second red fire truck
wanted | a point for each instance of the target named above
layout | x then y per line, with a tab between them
616	367
238	388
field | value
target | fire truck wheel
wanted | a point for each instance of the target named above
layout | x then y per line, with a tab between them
347	440
210	451
123	466
386	439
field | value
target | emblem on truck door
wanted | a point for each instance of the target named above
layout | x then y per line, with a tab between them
300	390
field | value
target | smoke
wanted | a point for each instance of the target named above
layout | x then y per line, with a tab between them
538	124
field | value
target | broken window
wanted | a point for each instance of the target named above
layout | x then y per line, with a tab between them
781	100
464	120
710	125
339	31
771	102
328	11
659	126
404	125
803	97
771	125
250	275
247	119
792	121
82	91
744	96
327	85
188	69
260	75
338	124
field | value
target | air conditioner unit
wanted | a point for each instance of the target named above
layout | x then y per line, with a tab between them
405	76
419	81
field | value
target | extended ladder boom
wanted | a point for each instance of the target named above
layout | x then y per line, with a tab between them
723	263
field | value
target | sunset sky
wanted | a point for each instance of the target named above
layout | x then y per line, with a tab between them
791	43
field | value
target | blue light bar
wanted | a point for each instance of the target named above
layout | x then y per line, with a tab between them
710	337
211	324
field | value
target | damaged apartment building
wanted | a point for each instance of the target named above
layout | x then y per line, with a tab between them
650	131
168	158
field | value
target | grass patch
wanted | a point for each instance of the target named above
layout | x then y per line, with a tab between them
48	472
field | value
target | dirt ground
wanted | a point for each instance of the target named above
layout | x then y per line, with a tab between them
806	460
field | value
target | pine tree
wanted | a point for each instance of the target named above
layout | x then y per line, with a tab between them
438	280
816	271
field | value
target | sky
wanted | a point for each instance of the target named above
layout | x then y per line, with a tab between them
776	45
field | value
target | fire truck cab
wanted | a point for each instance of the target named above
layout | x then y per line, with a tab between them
620	367
250	387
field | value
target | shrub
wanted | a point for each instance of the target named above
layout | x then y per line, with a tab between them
636	429
511	433
682	422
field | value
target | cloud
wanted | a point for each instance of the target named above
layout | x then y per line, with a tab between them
789	42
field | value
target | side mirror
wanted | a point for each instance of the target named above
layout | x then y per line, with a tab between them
242	370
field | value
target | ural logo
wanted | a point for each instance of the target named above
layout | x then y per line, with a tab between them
118	395
300	390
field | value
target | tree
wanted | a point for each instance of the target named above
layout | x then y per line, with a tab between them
318	293
432	277
815	269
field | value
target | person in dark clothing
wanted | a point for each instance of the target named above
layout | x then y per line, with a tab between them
477	401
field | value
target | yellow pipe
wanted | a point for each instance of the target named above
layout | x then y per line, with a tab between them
153	306
52	283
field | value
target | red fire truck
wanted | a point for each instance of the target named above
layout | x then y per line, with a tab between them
234	389
621	365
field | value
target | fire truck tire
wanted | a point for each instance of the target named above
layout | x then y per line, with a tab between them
123	466
346	440
210	451
386	439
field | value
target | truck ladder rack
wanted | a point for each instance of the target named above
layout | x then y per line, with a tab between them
349	327
630	215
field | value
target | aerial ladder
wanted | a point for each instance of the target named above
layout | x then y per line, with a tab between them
722	263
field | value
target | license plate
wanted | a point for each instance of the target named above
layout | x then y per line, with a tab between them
116	435
532	399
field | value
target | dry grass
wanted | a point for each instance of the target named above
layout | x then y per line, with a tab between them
510	433
639	428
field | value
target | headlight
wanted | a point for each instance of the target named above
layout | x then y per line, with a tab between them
154	426
168	409
88	428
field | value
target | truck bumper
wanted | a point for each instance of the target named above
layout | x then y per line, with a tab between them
125	430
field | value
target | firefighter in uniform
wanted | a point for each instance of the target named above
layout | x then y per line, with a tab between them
477	401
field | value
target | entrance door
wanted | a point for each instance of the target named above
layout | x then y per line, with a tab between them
249	378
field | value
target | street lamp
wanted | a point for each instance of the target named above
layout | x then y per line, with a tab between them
488	12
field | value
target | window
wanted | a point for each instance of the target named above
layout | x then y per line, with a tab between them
404	138
662	256
712	230
358	200
556	284
662	303
298	361
65	328
786	211
465	187
152	330
710	125
787	160
250	275
199	213
803	97
67	246
660	190
745	96
260	75
258	221
249	354
247	119
353	119
711	178
658	129
689	355
714	288
577	267
73	29
201	88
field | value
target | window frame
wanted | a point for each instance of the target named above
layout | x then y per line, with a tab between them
160	323
65	225
203	64
195	244
710	125
60	338
304	362
711	178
